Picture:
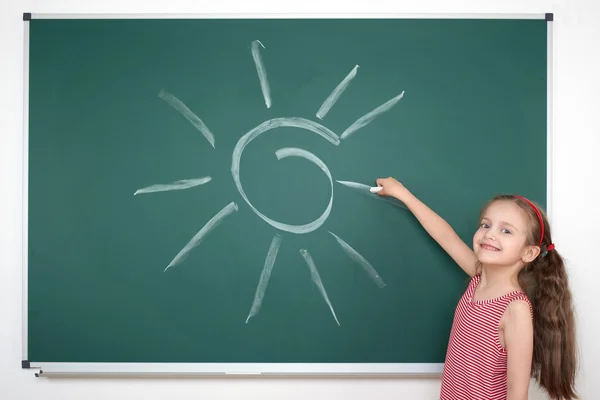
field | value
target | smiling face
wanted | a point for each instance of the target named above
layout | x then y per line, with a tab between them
503	236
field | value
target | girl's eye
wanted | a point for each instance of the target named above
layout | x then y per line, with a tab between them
484	225
506	231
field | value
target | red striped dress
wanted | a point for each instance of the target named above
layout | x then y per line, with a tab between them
475	367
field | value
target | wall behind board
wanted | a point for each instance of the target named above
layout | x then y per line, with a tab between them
574	210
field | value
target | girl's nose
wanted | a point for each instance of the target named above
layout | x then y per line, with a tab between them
489	234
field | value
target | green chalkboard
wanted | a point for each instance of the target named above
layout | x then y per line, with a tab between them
167	158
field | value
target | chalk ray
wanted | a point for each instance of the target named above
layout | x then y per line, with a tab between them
364	190
265	275
177	185
316	278
360	260
189	115
335	95
206	229
262	72
367	118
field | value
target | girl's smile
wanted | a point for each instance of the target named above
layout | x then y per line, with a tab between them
489	247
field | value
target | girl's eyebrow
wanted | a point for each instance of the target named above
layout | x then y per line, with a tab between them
509	224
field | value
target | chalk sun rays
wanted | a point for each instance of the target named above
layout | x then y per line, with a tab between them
265	275
256	49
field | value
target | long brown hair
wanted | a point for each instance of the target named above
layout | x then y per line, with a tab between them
546	283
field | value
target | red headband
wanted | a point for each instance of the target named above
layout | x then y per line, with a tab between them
540	219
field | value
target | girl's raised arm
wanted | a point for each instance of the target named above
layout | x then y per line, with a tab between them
435	225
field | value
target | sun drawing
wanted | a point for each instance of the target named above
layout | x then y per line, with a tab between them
232	207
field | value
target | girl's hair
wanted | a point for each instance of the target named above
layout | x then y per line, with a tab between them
546	283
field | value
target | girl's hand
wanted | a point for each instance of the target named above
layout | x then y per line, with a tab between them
391	187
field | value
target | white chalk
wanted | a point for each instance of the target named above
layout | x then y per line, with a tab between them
376	189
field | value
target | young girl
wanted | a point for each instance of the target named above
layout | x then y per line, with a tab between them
515	319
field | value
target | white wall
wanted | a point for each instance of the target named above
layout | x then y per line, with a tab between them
575	215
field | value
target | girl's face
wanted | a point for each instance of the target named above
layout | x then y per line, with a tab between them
502	237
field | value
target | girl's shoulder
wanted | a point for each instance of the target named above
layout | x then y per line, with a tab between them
518	300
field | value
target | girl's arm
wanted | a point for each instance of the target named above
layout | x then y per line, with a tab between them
436	226
518	338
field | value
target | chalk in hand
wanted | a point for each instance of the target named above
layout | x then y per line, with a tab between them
376	189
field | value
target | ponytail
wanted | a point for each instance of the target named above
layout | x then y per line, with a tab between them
554	351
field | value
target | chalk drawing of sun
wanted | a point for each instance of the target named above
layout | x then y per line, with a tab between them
295	122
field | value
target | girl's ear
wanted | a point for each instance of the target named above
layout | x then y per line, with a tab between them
530	254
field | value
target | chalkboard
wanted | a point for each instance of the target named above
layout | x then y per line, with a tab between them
197	189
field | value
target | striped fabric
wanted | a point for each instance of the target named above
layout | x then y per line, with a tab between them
475	367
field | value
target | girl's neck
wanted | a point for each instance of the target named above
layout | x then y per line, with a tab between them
492	276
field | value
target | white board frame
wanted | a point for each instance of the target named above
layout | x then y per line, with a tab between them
354	370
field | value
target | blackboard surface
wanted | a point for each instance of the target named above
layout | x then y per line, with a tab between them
232	118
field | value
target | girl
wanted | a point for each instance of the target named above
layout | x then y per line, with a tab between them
515	320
